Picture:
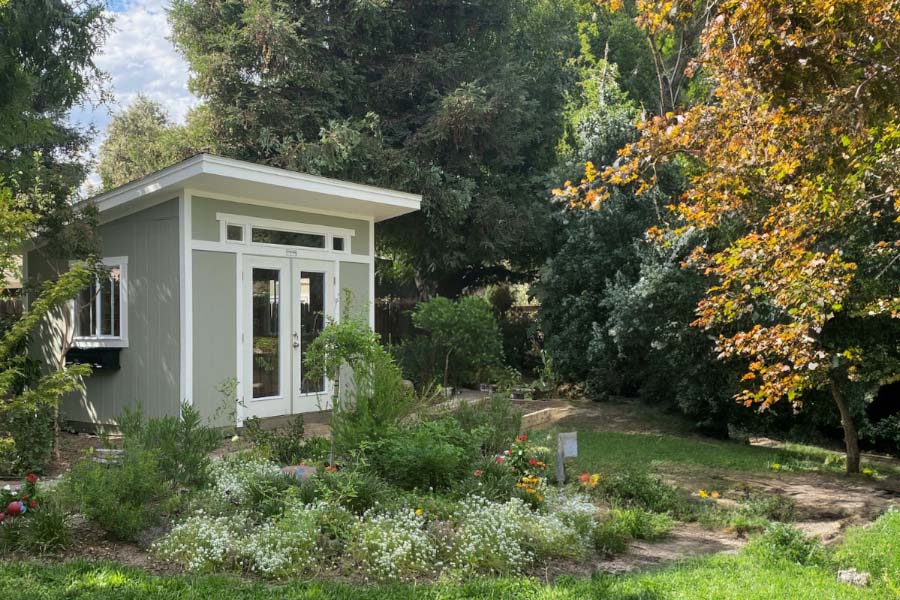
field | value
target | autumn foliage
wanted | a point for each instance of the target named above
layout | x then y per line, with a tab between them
794	157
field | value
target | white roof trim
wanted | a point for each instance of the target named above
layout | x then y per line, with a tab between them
171	177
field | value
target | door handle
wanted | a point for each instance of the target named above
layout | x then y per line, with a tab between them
296	337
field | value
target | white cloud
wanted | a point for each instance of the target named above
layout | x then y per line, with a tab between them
138	58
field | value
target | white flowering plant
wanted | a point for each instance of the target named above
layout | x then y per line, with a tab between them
203	542
236	477
395	546
489	536
285	546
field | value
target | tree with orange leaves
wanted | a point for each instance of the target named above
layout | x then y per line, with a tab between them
796	156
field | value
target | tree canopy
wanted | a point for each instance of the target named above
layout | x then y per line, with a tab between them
142	139
458	101
795	155
46	68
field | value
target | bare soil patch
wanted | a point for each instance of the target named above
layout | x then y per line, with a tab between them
686	540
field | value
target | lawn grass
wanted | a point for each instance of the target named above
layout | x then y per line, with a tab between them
721	577
610	451
745	576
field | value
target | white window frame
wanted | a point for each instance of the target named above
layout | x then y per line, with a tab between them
249	223
224	233
107	341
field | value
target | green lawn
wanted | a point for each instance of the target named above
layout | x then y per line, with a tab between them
606	451
746	576
719	577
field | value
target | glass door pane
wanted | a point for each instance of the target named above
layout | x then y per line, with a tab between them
266	332
312	321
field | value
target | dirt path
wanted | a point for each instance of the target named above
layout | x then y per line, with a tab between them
686	540
825	503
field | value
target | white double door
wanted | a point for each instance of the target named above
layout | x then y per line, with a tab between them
285	303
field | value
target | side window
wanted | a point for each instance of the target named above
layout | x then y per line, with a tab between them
101	309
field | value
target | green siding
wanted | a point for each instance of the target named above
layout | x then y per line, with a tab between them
150	365
206	227
355	280
215	327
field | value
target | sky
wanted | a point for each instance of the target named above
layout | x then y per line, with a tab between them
138	58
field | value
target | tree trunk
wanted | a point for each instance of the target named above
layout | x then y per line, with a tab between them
851	438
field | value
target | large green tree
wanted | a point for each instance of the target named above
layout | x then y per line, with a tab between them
46	68
457	100
142	139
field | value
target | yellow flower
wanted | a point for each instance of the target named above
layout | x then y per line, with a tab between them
419	512
703	494
776	466
868	471
714	494
595	480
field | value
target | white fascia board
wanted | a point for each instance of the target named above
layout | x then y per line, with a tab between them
229	167
169	177
178	174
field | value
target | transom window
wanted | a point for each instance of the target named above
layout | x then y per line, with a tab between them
247	230
100	310
262	235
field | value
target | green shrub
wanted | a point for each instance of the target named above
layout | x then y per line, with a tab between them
429	455
463	341
640	489
488	479
286	445
496	419
769	506
29	431
434	505
354	487
44	526
782	542
610	537
378	397
181	445
642	524
47	528
754	513
120	499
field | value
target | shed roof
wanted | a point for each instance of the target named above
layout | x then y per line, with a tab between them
242	181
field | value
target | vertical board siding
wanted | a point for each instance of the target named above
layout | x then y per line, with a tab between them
215	332
355	278
150	370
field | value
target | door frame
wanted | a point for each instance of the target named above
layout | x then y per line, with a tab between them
310	401
269	406
289	401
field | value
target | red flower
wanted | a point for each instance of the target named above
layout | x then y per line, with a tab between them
522	438
478	472
532	461
499	460
32	478
585	477
32	504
